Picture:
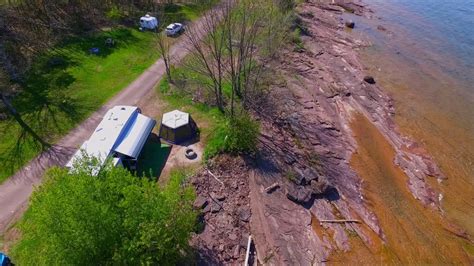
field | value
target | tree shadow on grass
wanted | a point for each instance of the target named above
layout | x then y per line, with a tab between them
23	147
44	105
173	8
175	13
13	156
45	102
46	88
121	37
153	157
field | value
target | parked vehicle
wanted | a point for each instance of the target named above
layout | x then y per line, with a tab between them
5	260
174	29
148	22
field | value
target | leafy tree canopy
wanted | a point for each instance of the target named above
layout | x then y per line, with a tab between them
111	218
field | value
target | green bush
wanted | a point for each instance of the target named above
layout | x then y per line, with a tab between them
235	135
112	218
114	13
296	39
164	85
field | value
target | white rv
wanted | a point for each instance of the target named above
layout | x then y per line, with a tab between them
148	22
120	138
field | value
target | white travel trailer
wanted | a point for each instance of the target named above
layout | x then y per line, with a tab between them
120	138
148	22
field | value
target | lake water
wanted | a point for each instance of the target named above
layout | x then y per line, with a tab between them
423	55
441	31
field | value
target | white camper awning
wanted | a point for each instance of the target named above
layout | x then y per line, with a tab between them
132	143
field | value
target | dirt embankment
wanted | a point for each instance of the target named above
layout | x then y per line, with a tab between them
313	146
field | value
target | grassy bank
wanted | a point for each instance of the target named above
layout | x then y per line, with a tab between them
219	132
207	117
69	83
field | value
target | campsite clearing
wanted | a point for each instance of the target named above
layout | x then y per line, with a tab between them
68	84
15	192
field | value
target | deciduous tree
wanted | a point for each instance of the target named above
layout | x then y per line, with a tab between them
75	218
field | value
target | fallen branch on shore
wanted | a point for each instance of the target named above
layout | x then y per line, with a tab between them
271	188
215	177
340	221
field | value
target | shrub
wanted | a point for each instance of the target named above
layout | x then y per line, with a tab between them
114	13
291	176
164	86
297	41
113	218
235	135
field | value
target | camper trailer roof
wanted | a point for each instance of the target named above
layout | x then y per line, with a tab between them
123	129
147	18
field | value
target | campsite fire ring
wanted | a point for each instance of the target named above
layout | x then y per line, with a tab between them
190	154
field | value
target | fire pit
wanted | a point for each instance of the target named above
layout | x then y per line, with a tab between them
190	154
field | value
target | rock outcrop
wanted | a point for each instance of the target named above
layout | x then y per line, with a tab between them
222	198
307	144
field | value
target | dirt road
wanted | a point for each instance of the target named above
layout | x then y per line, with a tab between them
15	192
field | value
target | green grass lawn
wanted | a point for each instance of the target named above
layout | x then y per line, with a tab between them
207	117
69	83
153	158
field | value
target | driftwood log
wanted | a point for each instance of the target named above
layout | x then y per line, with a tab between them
271	187
340	221
215	177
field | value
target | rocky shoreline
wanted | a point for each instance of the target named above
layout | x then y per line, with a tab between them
303	174
311	131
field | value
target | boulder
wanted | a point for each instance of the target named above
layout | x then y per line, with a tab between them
350	24
207	208
319	186
243	240
369	79
200	203
218	196
309	175
298	194
297	176
244	215
234	185
215	207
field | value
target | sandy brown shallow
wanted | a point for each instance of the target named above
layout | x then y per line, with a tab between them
414	234
433	111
